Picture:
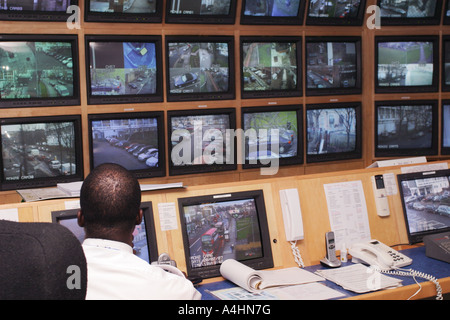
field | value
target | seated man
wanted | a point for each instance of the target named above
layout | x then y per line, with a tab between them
110	209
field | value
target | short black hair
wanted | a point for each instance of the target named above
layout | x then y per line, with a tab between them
110	198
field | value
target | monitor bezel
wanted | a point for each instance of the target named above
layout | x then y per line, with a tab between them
357	89
149	221
160	171
258	94
218	19
334	21
130	98
31	15
409	89
273	20
202	168
264	262
337	156
445	150
417	237
433	150
405	21
201	96
298	159
52	101
47	181
118	17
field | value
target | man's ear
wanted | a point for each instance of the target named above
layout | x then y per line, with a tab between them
139	217
80	218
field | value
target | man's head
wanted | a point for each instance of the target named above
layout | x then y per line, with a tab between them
110	201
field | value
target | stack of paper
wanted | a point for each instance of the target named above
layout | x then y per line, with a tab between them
72	189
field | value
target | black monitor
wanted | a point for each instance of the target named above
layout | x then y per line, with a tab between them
123	69
271	67
446	63
40	151
134	140
225	226
201	11
141	11
333	131
38	70
445	146
410	12
446	14
336	12
406	64
425	199
144	241
406	128
36	10
200	68
258	124
269	12
333	65
201	140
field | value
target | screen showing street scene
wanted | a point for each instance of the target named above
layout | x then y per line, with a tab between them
272	8
446	126
131	143
196	67
407	8
334	8
35	5
200	139
427	203
222	230
122	68
331	65
38	150
36	70
200	7
405	64
123	6
404	127
331	130
269	66
286	124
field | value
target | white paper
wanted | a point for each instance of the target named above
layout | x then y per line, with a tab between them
425	167
9	214
347	211
167	216
390	184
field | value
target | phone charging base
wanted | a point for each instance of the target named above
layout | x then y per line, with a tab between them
330	263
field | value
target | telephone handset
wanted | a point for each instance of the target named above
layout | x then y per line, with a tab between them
378	254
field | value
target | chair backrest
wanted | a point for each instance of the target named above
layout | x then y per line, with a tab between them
40	261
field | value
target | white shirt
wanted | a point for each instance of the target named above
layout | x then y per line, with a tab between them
114	272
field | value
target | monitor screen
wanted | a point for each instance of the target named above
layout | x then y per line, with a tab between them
406	64
144	235
446	19
200	68
406	128
258	124
271	67
225	226
38	70
269	12
410	12
425	199
123	69
336	12
201	11
201	140
36	10
333	65
40	151
139	11
133	140
446	63
333	132
445	147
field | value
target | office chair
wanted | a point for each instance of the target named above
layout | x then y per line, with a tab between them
40	261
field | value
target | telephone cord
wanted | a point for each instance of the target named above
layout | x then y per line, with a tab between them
296	253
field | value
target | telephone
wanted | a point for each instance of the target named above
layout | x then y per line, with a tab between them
379	255
292	218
